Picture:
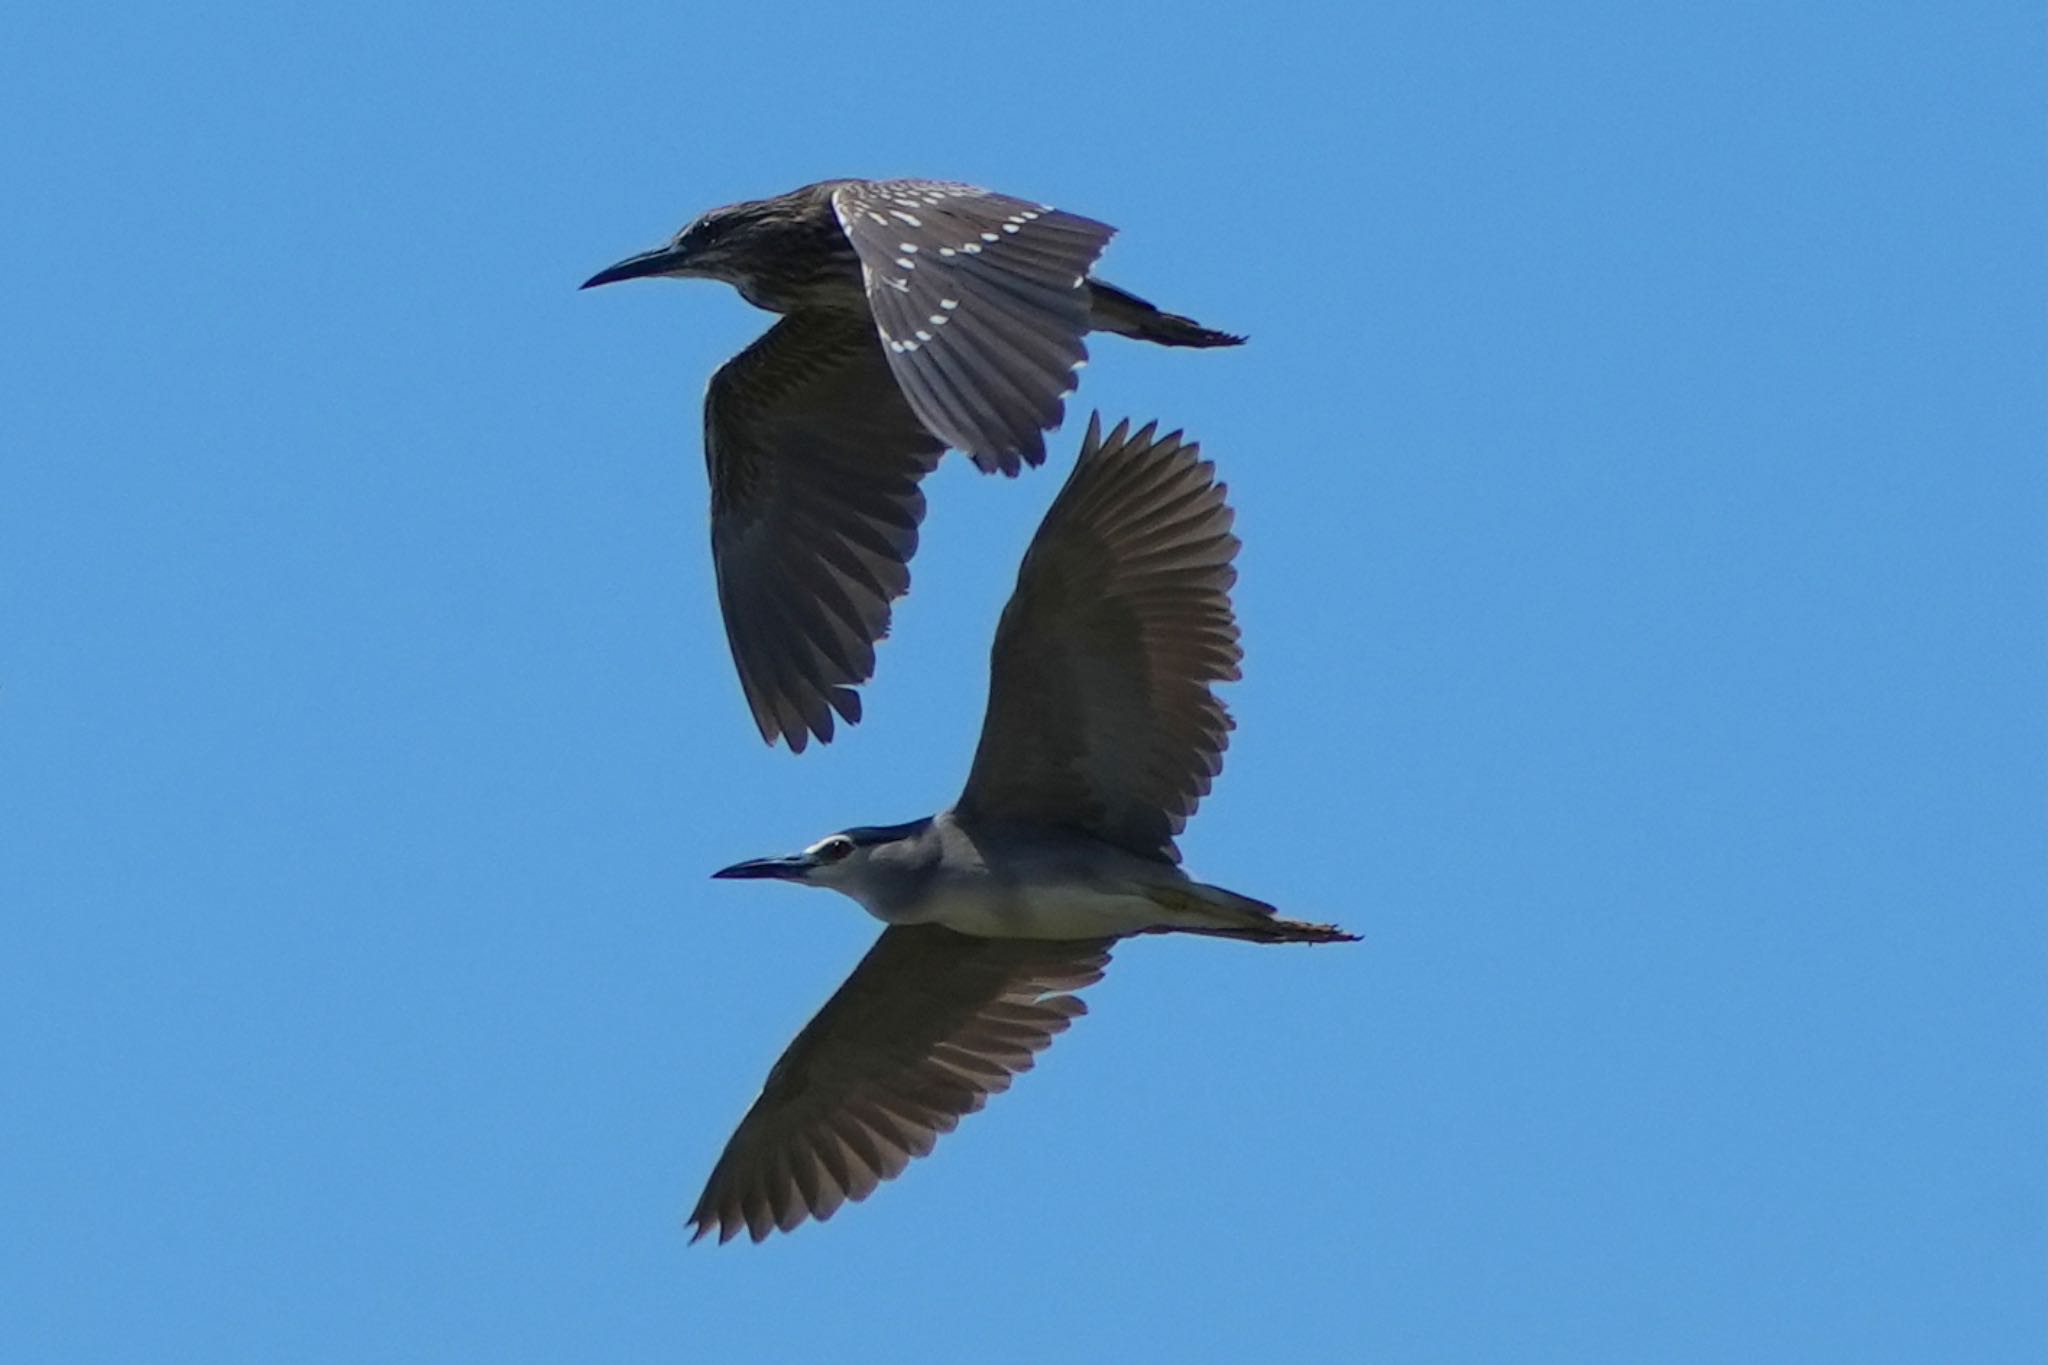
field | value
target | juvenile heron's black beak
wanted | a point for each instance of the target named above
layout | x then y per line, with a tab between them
659	261
791	869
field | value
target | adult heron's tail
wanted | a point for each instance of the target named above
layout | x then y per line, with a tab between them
1203	909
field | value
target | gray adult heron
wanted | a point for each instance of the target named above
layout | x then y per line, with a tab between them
1101	736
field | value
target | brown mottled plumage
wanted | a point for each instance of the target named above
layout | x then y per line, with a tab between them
919	315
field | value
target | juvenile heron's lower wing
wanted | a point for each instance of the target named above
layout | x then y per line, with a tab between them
1100	715
814	459
930	1024
981	306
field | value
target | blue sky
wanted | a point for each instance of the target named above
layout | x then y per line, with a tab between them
1639	463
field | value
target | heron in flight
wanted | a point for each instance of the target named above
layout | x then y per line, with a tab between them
1101	736
918	315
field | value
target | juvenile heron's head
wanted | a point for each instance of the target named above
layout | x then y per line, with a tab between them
730	243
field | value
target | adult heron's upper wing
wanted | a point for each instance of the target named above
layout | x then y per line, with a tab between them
930	1024
979	301
815	459
1100	714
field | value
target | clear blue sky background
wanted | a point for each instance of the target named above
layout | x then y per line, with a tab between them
1639	462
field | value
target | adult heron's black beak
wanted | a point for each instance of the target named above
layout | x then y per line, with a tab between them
660	261
790	869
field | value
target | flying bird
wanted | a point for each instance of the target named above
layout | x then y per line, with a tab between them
918	315
1101	736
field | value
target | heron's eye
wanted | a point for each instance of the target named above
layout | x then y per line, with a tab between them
834	848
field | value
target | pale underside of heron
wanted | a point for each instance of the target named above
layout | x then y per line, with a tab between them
919	315
1101	736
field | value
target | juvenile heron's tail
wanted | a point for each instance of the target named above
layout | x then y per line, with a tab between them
1115	310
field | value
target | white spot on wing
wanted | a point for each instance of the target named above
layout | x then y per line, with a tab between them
899	213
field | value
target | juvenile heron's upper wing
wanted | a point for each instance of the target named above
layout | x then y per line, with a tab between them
979	301
1100	714
815	459
930	1024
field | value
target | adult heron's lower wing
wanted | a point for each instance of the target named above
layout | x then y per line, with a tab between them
815	459
930	1024
1100	713
980	303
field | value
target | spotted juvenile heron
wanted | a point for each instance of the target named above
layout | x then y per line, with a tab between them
919	315
1101	736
